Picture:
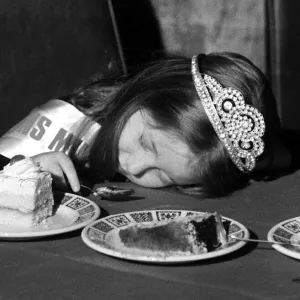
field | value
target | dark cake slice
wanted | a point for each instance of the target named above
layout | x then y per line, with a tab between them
184	235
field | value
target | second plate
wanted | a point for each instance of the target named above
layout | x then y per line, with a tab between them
99	234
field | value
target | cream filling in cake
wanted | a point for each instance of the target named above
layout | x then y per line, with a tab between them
14	217
26	197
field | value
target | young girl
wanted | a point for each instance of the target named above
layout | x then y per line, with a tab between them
207	125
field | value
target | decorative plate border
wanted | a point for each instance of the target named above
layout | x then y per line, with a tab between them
94	235
284	232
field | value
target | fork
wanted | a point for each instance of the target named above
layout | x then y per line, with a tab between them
264	241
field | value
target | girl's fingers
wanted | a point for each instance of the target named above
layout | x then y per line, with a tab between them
61	168
69	170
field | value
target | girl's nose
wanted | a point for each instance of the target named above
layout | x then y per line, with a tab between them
137	163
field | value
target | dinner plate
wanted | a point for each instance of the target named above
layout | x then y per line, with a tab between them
71	213
100	236
287	231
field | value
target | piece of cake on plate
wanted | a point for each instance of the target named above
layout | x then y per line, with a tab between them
188	235
26	197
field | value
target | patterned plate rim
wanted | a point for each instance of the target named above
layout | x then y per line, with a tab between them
276	233
235	245
88	210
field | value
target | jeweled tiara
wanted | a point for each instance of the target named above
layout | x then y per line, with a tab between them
238	125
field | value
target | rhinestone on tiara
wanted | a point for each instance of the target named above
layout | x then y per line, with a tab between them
238	125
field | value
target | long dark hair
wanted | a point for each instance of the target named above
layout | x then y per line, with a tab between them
166	91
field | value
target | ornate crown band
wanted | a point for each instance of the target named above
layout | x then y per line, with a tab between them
238	125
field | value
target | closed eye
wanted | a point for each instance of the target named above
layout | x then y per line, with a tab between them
148	145
142	142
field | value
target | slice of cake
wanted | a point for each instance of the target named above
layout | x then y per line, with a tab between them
182	236
26	197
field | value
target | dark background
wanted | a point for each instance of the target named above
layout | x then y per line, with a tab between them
48	48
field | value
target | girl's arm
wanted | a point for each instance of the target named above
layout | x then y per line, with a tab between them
45	130
59	165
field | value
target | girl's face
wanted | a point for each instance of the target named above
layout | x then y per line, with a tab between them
151	157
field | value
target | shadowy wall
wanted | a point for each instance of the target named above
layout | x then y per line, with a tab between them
47	48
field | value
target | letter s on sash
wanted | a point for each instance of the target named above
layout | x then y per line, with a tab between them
37	133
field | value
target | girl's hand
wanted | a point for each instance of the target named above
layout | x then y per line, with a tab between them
61	167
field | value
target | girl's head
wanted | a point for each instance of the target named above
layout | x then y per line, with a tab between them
156	132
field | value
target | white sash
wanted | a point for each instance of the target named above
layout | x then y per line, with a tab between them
46	128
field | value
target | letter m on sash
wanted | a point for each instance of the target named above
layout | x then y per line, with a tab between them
62	141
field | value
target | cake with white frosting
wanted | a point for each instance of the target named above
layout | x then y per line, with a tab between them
26	197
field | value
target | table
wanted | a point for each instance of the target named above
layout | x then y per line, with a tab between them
63	267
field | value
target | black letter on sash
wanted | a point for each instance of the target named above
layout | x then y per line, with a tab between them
37	133
62	141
